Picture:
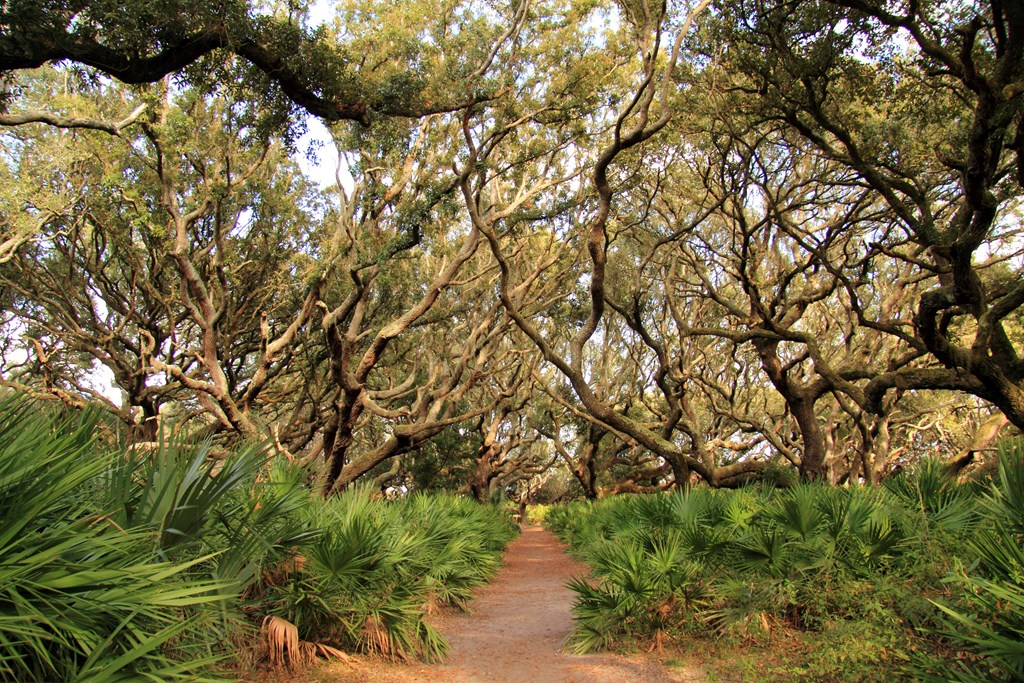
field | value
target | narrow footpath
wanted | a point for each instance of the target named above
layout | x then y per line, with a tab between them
515	629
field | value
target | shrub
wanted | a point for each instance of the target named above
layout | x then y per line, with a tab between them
125	564
81	596
759	564
367	580
988	620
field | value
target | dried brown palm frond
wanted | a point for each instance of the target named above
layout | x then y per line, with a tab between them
325	651
286	649
282	641
376	637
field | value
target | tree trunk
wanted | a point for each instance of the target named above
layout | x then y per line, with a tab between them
801	400
347	412
146	430
812	462
480	485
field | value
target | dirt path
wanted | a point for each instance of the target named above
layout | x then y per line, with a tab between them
515	631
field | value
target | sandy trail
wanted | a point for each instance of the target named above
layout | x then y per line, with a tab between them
515	630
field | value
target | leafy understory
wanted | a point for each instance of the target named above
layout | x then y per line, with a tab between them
164	564
922	578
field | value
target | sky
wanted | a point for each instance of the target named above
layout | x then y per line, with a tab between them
323	168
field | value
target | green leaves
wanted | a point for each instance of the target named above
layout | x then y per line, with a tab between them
839	562
147	564
81	596
989	618
748	561
369	576
931	488
1005	500
799	511
181	486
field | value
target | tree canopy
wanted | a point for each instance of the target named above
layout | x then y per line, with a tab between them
574	248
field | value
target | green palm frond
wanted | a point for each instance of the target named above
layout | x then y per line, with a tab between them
995	632
798	510
765	550
600	612
1001	553
690	507
81	596
933	490
880	539
740	510
1006	499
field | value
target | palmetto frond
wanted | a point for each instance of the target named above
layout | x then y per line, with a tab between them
81	596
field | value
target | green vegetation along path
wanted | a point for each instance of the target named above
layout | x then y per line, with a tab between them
515	629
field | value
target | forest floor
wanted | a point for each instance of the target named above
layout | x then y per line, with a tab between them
513	633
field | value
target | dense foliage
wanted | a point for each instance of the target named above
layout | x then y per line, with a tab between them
586	246
163	564
919	579
570	248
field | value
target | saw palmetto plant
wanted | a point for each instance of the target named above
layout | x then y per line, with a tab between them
83	597
759	563
123	563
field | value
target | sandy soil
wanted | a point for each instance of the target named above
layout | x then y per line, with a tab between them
514	632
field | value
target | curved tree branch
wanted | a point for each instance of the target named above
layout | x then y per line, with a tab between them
37	116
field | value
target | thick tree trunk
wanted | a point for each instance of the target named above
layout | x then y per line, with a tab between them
585	468
801	400
587	476
812	462
347	412
982	440
480	484
336	458
148	426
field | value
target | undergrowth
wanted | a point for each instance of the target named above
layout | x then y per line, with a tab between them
172	562
918	579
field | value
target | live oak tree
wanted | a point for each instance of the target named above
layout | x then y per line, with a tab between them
600	460
647	107
201	284
922	102
508	452
652	242
766	276
837	252
227	371
351	69
163	254
414	339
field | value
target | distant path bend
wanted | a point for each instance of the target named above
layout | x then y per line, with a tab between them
516	626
